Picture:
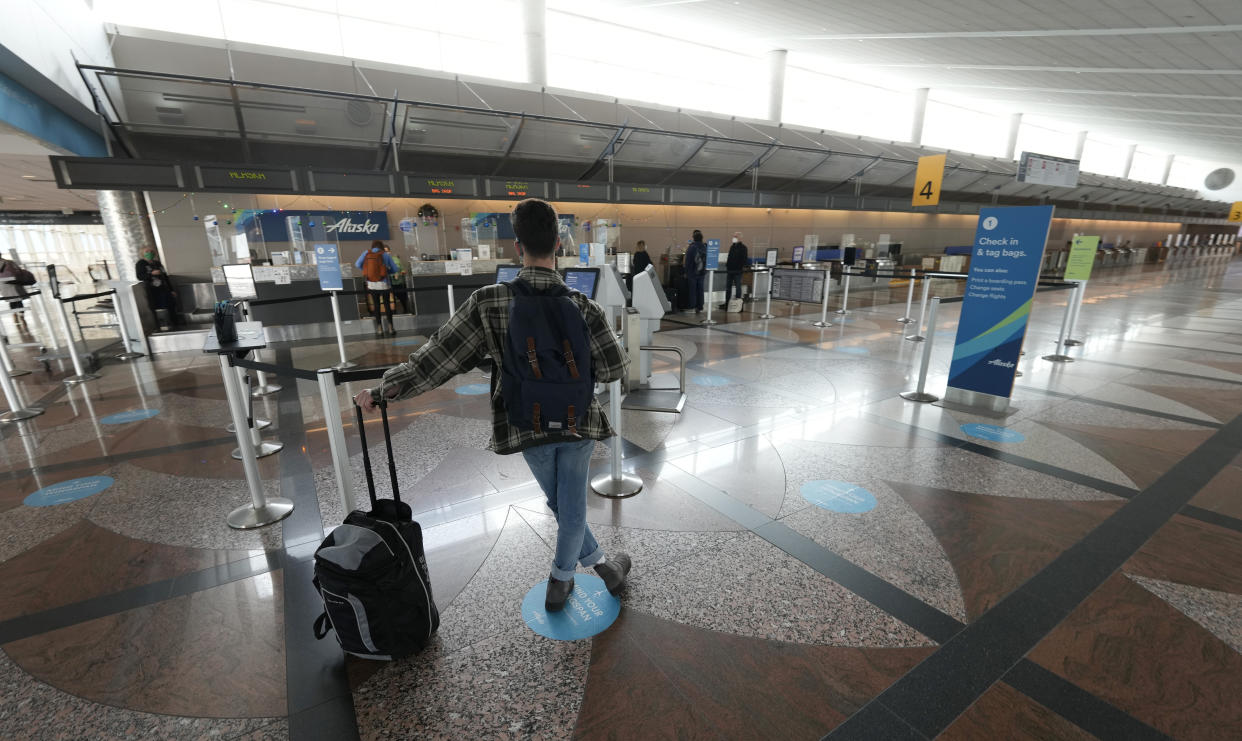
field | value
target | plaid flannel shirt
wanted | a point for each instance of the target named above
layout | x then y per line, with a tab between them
478	330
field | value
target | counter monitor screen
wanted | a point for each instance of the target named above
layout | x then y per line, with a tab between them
582	280
506	273
770	257
240	281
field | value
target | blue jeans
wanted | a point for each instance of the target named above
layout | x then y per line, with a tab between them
561	470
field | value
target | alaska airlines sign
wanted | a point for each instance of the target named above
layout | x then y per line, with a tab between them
316	226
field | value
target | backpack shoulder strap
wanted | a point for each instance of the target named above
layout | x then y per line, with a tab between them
518	287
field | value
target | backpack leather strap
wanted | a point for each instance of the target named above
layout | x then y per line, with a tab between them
569	361
531	357
573	422
534	418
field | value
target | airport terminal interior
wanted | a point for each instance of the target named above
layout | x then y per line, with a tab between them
959	457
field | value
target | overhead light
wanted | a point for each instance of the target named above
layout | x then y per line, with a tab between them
29	177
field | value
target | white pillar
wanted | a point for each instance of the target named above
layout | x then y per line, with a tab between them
534	14
1015	123
1168	169
920	114
1081	146
1125	172
124	215
776	83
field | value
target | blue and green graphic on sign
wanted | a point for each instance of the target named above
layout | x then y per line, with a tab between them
1004	269
713	254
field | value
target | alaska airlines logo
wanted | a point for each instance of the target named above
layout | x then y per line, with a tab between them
1000	363
346	226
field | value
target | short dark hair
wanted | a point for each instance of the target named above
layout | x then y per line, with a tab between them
641	244
377	243
697	236
535	226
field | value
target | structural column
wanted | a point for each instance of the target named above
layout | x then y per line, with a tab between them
776	83
920	114
124	216
1125	173
1081	146
1015	123
534	14
1168	169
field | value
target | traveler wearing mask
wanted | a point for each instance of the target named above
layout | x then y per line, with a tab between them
736	263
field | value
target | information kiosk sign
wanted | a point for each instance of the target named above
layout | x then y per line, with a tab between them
1235	213
1000	288
713	254
328	261
1081	258
927	180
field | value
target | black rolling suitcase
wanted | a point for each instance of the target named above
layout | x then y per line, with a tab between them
372	574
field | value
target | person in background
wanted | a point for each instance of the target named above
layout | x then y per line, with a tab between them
160	293
696	269
376	266
734	265
13	279
398	280
558	457
641	258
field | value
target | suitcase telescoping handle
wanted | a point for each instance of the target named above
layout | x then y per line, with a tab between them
366	455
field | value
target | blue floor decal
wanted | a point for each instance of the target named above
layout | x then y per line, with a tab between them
838	496
993	433
133	415
68	491
473	389
588	611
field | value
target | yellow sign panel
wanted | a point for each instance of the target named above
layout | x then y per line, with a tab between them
927	180
1081	258
1235	213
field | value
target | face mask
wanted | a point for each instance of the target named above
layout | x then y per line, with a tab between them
735	240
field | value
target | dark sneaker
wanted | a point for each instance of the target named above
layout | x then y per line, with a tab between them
558	592
613	571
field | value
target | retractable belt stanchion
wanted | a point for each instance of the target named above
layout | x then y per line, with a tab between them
336	439
261	448
1059	356
81	376
263	388
16	410
1079	292
6	362
261	511
845	296
905	318
823	312
616	484
119	305
709	321
452	307
767	309
39	301
916	337
340	333
920	394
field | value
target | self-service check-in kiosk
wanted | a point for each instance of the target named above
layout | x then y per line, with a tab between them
650	305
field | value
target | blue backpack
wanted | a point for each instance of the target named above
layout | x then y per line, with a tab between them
546	376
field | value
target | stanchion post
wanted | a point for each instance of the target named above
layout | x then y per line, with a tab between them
709	321
616	484
81	376
452	302
767	309
340	333
128	353
1079	292
261	511
845	296
1059	356
40	304
823	310
917	336
336	439
16	410
920	392
905	318
263	388
261	449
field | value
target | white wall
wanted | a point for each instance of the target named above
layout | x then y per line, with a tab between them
48	33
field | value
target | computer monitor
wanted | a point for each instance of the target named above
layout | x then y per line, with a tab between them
851	255
506	273
582	280
240	281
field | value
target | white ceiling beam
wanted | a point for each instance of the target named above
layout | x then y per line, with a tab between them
1030	33
1085	91
1037	68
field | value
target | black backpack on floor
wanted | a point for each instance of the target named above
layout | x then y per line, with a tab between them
372	574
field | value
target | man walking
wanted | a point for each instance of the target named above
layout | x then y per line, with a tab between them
377	269
530	413
696	269
738	258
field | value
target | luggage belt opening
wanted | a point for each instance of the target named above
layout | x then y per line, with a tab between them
672	401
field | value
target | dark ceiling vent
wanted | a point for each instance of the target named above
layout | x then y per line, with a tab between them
170	114
1219	179
358	112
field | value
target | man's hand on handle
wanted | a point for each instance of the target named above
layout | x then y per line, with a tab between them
364	400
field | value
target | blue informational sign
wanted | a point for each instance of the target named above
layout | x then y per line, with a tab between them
68	491
1004	268
589	610
344	226
994	433
473	389
329	262
133	415
713	254
584	254
838	496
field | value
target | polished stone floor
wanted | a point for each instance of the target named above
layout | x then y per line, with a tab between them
1082	579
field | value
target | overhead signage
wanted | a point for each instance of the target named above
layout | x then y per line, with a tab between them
417	185
514	188
640	194
1000	288
581	191
713	254
1081	258
292	226
927	180
692	196
776	200
328	261
1042	169
112	174
735	198
247	179
351	182
1235	213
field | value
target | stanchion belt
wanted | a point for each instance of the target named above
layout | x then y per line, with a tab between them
279	370
85	296
360	374
307	297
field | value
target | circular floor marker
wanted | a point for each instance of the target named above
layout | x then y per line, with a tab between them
708	380
68	491
854	350
588	611
133	415
994	433
763	333
473	389
838	496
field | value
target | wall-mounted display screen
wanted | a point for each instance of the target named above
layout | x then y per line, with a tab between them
581	191
735	198
514	188
421	185
347	182
640	193
693	196
91	172
246	178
